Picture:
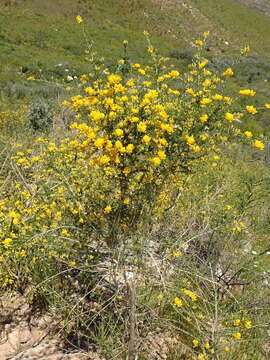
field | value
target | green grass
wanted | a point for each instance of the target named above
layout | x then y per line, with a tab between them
39	35
241	24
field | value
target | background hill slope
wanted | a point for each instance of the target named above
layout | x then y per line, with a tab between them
42	39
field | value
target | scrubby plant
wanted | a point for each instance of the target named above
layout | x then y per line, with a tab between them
110	199
40	116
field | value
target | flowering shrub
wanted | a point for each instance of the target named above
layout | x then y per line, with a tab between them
138	132
135	135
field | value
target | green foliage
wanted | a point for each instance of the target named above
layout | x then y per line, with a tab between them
40	115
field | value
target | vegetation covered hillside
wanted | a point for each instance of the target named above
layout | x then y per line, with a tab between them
38	35
39	39
262	6
134	180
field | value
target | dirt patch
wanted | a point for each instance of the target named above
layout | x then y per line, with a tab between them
28	335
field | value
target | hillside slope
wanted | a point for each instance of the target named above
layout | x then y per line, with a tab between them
37	35
262	6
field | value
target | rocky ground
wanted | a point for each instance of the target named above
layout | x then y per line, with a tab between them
29	335
26	335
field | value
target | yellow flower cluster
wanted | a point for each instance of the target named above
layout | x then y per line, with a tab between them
132	133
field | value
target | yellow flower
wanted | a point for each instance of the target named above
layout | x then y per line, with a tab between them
30	78
14	216
237	322
119	147
227	100
196	148
108	209
161	78
104	159
204	118
195	343
178	302
147	83
99	143
258	144
191	294
247	92
267	106
65	232
205	101
141	127
223	138
79	19
190	91
118	132
126	171
97	115
156	161
163	142
203	137
130	148
174	74
207	83
176	254
248	134
166	127
126	201
229	117
125	42
134	119
130	83
161	154
248	324
146	139
190	140
201	357
198	42
251	109
6	242
237	335
114	79
217	97
160	297
203	63
245	51
90	91
141	71
228	72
